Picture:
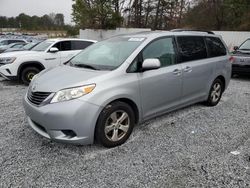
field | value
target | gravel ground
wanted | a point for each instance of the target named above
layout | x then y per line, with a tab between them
193	147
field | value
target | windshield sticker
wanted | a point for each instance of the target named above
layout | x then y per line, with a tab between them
136	39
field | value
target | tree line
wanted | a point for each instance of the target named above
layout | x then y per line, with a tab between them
162	14
26	22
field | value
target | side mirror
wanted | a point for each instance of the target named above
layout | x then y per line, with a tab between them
151	64
236	48
53	50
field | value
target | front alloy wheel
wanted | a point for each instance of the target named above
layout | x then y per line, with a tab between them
115	124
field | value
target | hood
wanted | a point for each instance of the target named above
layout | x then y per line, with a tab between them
63	77
20	53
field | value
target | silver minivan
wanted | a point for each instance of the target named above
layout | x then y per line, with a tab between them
100	94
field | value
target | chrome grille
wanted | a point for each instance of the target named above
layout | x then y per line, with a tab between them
37	97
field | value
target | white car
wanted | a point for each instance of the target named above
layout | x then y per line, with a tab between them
50	53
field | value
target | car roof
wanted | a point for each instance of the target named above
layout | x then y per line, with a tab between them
72	39
155	34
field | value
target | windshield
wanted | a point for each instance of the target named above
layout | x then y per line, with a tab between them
29	46
108	54
42	46
245	45
3	42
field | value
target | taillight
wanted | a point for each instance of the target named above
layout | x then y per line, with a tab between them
231	59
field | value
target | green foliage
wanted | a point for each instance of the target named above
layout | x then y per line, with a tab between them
219	15
26	22
98	14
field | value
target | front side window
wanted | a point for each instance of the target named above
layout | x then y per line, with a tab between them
66	46
215	47
108	54
63	46
191	48
162	49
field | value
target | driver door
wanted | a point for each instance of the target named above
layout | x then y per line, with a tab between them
161	88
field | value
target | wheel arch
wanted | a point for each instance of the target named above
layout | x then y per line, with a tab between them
222	78
29	64
128	101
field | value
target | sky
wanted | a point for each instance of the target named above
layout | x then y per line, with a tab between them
12	8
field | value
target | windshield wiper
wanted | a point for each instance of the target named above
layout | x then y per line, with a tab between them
85	66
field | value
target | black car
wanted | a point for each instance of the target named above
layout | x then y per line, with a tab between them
241	55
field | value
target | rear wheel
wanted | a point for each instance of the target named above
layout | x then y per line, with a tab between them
115	124
28	73
215	93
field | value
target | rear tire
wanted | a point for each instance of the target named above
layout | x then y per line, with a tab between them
28	73
115	124
215	93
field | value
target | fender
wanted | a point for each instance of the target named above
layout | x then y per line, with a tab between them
36	63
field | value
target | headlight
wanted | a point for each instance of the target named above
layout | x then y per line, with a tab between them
72	93
7	60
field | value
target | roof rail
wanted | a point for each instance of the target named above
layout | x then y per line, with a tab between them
197	30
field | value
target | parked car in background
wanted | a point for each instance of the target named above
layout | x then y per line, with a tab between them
26	47
5	42
241	63
24	65
105	90
12	46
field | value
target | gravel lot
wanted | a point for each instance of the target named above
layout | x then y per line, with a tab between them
193	147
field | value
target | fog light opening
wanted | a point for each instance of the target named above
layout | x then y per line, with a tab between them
69	133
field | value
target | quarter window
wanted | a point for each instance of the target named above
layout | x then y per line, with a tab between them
162	49
191	48
215	47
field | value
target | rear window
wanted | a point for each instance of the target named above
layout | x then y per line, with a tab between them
191	48
215	47
79	45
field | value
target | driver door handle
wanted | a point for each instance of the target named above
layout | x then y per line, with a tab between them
187	69
177	72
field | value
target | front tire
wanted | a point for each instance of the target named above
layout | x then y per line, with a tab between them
28	73
115	124
215	93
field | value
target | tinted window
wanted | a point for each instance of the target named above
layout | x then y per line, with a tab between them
66	46
63	46
162	49
79	45
14	41
215	47
191	48
57	45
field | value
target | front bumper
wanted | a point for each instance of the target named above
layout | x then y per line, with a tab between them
7	72
55	121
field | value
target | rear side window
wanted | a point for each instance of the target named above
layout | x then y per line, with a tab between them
191	48
79	45
215	47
